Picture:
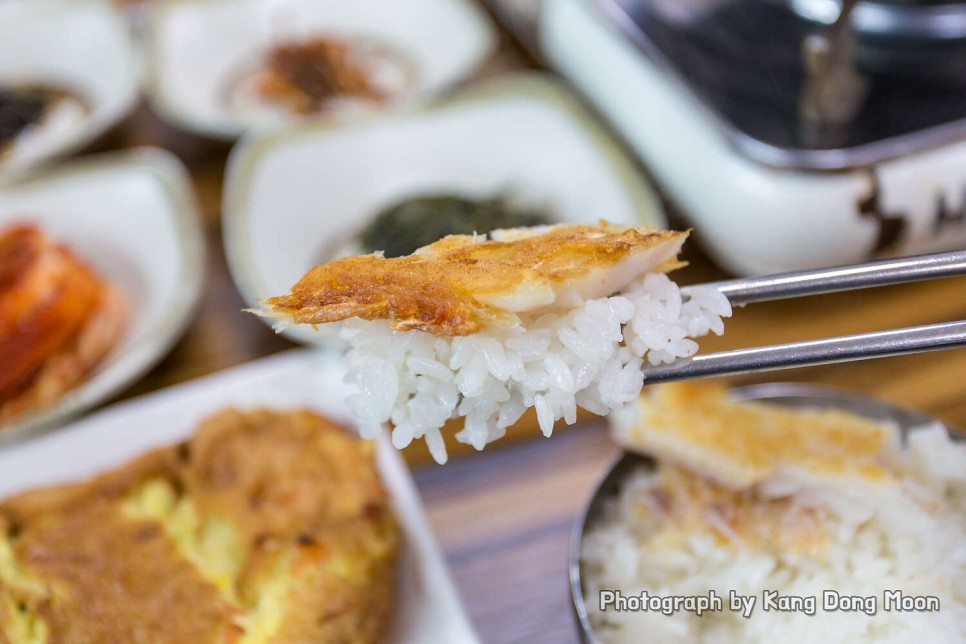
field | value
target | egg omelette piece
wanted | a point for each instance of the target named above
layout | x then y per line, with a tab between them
265	527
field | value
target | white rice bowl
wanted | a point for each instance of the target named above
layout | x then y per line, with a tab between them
908	535
589	356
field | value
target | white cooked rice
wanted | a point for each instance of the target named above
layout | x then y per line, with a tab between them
590	356
909	535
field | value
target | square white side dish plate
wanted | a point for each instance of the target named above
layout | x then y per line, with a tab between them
197	48
132	217
293	196
83	46
427	606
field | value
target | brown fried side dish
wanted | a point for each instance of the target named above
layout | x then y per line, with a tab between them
57	319
264	527
304	76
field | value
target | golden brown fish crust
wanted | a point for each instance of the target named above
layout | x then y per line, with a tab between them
266	527
741	444
449	287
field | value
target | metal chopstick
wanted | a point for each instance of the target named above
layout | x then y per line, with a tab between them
878	344
842	278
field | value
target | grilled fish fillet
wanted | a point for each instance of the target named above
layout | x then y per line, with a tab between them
742	444
266	527
463	284
57	320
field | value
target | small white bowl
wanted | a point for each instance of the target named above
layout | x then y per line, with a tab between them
82	46
427	608
133	218
293	195
198	48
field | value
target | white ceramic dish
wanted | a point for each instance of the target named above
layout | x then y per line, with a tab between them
198	48
132	217
81	45
427	609
293	194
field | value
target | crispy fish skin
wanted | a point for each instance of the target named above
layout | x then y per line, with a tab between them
463	284
290	500
742	444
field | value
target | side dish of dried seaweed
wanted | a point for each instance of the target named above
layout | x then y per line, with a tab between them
419	221
28	109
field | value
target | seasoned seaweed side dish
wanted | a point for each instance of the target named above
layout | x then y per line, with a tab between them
419	221
23	106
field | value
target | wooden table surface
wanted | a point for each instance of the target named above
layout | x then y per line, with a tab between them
504	517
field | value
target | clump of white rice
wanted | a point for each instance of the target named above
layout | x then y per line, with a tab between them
589	356
907	533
